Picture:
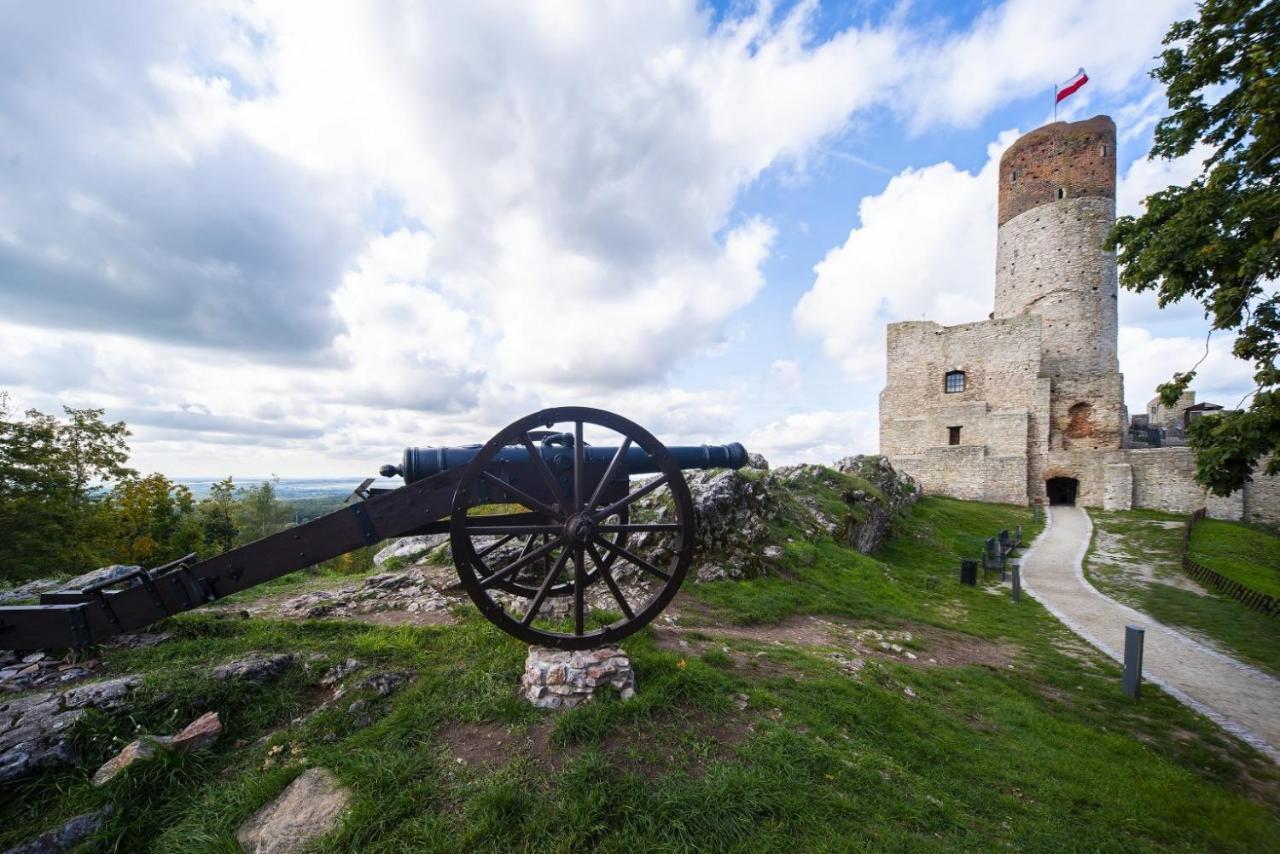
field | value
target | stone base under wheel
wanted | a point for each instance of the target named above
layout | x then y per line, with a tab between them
559	679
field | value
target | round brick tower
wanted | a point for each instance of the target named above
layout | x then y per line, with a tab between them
1057	202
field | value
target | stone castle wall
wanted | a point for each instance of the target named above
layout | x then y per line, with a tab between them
1043	396
1050	262
1002	411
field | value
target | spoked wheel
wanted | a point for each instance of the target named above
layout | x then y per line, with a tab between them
574	540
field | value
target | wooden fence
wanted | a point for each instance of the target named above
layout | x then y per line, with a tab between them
1206	576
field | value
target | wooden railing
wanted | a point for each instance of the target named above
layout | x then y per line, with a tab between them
1208	577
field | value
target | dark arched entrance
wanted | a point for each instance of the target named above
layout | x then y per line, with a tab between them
1062	490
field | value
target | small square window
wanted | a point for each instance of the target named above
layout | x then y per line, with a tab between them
954	382
953	435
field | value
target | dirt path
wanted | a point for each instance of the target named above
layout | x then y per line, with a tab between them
1242	699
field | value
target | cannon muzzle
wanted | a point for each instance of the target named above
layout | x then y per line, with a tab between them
557	452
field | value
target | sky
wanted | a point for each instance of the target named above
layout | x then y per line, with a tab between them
292	238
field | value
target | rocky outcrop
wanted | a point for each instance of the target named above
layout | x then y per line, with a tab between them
894	493
97	577
34	730
258	668
407	550
40	670
741	516
415	590
310	807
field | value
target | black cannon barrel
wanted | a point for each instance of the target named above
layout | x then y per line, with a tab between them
418	463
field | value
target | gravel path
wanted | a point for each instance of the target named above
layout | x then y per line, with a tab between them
1242	699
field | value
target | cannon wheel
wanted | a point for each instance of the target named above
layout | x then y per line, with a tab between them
578	531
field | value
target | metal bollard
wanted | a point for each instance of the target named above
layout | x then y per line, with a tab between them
1133	639
1017	584
969	572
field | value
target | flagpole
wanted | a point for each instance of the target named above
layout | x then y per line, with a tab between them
1055	102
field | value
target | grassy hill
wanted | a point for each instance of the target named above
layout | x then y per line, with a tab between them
1136	558
1249	554
840	702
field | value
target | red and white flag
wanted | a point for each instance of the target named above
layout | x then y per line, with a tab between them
1071	86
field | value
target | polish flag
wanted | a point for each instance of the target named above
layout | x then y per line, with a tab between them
1070	87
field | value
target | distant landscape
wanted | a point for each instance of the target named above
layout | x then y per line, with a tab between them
287	489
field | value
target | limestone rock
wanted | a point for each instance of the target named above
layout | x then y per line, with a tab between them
259	668
34	729
310	807
66	837
30	590
555	679
419	589
409	549
147	747
199	734
757	461
104	575
40	670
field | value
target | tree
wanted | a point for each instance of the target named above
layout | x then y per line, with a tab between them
218	516
51	475
150	521
261	512
1217	240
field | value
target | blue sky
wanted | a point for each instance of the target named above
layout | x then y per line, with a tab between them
291	238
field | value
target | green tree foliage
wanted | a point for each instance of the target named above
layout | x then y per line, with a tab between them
218	516
259	511
1217	240
51	472
150	520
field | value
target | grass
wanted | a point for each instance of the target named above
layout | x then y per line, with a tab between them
1249	554
1041	752
1135	558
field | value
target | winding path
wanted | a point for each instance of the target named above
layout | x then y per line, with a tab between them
1242	699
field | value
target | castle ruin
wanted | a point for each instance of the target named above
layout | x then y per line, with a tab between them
1028	405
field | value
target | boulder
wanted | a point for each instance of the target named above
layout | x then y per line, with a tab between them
105	575
311	806
757	461
65	838
257	668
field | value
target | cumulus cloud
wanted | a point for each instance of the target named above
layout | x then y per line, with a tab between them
1021	48
924	248
1149	360
819	436
220	216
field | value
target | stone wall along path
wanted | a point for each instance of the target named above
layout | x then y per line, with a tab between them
1242	699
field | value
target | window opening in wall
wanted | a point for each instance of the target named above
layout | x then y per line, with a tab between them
954	382
1062	192
1013	177
953	435
1104	150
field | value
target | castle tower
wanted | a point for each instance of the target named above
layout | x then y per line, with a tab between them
1057	202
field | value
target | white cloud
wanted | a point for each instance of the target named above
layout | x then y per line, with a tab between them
1148	360
925	248
349	217
819	436
1022	48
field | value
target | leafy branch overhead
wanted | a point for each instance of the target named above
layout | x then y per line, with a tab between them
1217	240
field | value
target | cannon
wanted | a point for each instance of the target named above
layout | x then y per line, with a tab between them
543	525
